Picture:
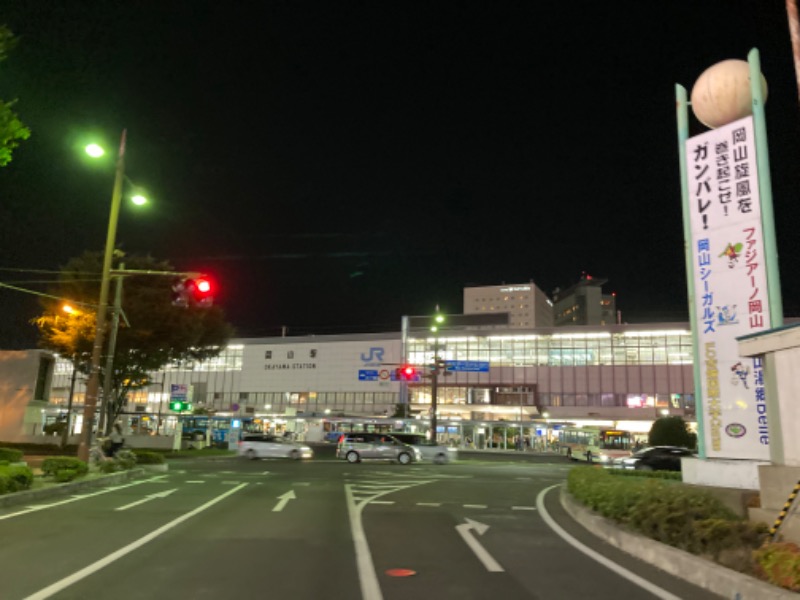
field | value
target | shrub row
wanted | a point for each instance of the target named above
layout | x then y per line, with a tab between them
687	518
64	468
10	454
145	457
15	479
122	461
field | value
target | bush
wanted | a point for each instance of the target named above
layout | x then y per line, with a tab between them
109	466
125	459
10	454
54	464
779	564
687	518
65	475
15	479
144	457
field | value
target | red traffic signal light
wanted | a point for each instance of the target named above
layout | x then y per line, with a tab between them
194	292
406	373
201	291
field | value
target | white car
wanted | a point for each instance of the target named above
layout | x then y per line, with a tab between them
430	451
270	446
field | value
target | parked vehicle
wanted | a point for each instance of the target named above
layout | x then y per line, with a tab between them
655	458
429	450
270	446
354	447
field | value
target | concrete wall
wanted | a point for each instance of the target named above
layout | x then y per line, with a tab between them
20	411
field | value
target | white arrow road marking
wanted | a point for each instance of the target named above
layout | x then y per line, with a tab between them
163	494
283	500
465	530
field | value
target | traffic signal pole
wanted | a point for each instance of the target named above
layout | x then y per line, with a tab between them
434	388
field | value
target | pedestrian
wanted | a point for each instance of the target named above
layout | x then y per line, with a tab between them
116	439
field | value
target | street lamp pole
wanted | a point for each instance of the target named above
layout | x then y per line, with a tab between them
92	387
438	319
108	376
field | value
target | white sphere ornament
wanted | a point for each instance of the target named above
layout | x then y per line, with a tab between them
721	94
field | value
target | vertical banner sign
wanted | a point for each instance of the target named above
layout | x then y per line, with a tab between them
730	282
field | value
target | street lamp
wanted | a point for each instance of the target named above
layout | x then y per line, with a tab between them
92	387
438	319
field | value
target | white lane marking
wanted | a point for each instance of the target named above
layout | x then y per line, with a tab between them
382	502
230	482
103	562
429	503
523	508
265	473
621	571
368	579
163	494
370	588
283	500
474	505
302	483
71	499
465	531
195	481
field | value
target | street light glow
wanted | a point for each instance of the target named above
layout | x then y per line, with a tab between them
138	200
94	151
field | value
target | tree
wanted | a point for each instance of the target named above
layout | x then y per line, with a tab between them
671	431
12	130
159	332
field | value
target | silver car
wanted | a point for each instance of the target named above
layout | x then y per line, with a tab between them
354	447
270	446
428	449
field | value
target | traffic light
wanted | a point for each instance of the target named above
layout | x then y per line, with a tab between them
406	373
180	405
193	292
201	291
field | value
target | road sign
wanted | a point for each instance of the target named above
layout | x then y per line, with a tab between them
179	397
367	375
474	366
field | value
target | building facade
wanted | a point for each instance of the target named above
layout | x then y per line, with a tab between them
614	374
526	305
584	304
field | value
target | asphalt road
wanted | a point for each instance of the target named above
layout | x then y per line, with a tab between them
234	528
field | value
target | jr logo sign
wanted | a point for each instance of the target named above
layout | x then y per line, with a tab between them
375	355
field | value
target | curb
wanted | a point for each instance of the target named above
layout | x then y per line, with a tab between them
65	489
689	567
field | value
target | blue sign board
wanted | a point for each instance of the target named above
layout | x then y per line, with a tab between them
367	375
178	392
474	366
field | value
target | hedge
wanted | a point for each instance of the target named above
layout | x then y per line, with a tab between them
51	466
10	454
15	479
145	457
687	518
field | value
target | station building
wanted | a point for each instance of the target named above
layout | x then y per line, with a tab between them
621	375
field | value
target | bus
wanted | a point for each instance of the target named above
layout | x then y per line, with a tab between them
594	444
334	427
197	427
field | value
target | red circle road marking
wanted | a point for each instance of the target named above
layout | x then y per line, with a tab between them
400	572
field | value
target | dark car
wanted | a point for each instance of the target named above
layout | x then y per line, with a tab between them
655	458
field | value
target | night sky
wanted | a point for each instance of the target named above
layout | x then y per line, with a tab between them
335	165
